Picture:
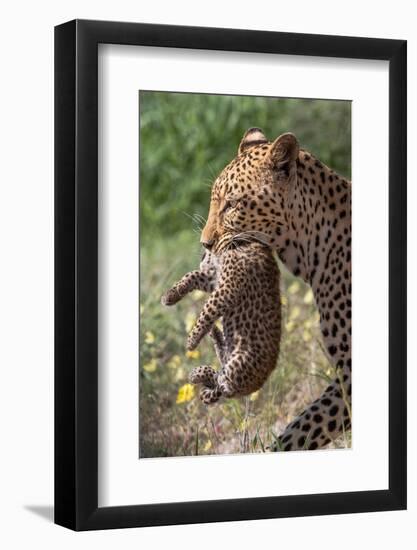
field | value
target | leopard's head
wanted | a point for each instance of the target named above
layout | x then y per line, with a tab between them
249	199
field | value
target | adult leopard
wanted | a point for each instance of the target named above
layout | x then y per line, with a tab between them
282	195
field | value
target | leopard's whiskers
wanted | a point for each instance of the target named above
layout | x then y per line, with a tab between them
198	216
252	235
196	221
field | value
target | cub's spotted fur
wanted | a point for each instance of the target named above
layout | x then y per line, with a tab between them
244	285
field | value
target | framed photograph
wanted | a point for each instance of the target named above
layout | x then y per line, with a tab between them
217	275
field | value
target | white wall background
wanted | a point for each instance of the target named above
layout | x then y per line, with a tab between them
26	286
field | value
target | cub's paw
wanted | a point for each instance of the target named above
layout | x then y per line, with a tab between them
169	298
192	342
226	388
209	396
203	375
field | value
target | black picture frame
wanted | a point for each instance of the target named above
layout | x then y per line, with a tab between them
76	272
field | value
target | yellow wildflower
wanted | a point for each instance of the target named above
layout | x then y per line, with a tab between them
174	362
185	393
149	337
254	396
295	312
190	319
198	295
207	446
289	326
306	336
151	366
194	354
308	297
179	374
294	287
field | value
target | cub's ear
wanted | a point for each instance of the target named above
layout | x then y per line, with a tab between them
284	150
253	136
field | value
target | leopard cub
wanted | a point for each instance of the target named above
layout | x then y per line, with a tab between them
244	287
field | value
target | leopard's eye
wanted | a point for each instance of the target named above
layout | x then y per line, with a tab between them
229	204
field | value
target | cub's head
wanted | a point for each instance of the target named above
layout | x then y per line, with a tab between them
209	264
250	196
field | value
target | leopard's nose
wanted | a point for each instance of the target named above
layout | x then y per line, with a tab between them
207	244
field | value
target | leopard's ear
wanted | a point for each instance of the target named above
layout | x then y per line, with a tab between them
253	136
284	150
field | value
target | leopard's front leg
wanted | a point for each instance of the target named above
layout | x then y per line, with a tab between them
194	280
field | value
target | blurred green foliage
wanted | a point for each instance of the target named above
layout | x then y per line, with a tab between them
187	139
